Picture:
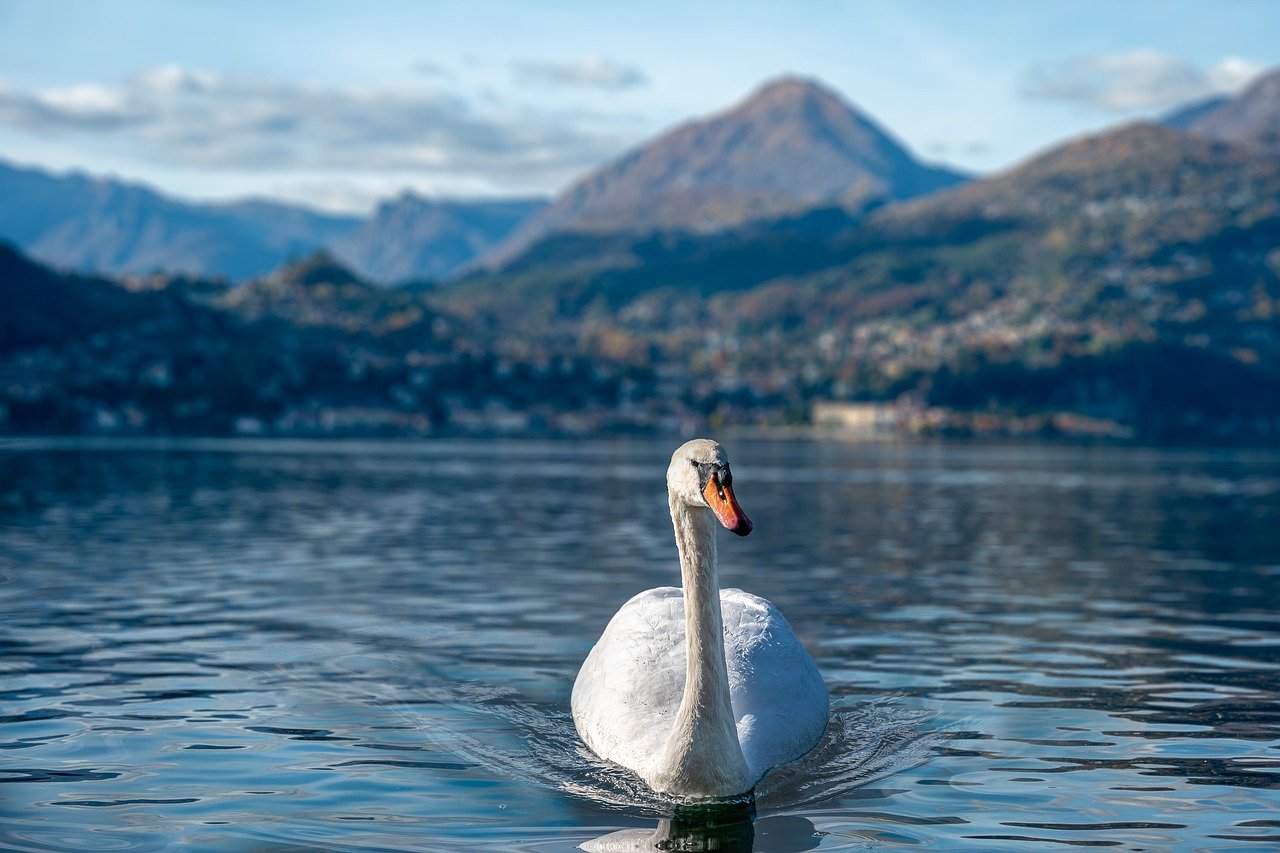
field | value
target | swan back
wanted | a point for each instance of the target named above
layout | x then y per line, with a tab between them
629	690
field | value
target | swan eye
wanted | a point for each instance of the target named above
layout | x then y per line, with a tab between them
705	471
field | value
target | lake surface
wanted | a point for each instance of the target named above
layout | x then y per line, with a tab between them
274	645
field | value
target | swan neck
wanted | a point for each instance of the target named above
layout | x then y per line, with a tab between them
706	671
703	754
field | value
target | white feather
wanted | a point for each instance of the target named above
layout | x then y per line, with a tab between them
626	696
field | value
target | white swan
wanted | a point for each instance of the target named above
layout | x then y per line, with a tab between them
750	697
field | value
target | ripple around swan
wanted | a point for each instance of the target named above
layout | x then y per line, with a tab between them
283	645
861	745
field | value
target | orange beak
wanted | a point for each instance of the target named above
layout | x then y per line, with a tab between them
722	502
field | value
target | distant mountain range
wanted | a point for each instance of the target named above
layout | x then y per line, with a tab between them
106	226
100	225
412	238
1104	206
790	146
1123	283
1130	277
684	184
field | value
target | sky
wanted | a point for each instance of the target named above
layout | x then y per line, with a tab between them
341	104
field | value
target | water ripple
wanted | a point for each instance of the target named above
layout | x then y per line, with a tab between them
284	645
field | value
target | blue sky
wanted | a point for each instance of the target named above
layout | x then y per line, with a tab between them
339	104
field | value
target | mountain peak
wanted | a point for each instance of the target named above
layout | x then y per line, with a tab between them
1250	118
791	145
796	102
1266	85
319	267
793	89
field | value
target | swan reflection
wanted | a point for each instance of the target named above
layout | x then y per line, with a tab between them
721	827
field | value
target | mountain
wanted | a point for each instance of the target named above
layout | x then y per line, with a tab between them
1129	277
1252	117
1153	185
318	292
42	307
1156	182
309	349
99	225
1185	117
411	238
1124	283
790	146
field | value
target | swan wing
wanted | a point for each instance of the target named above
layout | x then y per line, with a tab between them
628	691
779	698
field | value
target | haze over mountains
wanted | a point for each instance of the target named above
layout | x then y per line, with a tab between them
412	238
99	225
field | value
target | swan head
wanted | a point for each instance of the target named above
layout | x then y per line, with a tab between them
699	476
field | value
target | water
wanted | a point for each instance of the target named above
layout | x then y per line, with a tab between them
260	645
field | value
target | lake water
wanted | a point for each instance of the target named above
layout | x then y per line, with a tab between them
270	645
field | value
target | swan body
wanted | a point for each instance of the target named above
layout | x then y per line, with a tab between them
627	695
700	691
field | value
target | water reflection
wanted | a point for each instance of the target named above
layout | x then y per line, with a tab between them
730	827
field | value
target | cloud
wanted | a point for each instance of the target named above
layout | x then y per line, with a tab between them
592	73
195	119
1140	81
87	107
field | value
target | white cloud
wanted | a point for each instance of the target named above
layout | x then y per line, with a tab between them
1140	81
593	72
197	120
87	107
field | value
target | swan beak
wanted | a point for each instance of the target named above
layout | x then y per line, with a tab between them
722	502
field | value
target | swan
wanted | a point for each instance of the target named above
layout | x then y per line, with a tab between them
696	690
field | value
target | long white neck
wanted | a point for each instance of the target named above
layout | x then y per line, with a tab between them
703	756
